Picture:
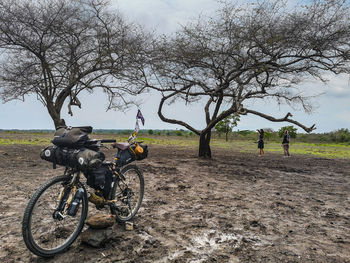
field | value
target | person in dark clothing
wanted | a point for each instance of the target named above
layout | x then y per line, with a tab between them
285	143
261	142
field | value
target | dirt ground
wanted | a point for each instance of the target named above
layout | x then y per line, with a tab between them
234	208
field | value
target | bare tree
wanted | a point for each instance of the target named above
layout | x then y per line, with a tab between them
253	52
57	49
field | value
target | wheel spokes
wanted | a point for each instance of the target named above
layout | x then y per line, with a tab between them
47	232
128	194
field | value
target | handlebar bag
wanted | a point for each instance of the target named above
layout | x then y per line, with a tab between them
60	156
81	159
72	137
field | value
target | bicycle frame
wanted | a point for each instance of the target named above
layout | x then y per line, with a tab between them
97	200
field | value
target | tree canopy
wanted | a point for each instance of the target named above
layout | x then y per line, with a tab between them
248	53
57	49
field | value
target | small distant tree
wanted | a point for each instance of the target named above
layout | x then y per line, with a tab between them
150	132
178	133
292	131
227	124
344	135
268	133
341	135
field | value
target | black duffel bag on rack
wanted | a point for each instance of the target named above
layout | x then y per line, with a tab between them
71	137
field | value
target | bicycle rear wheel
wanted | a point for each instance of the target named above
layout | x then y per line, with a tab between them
128	193
44	233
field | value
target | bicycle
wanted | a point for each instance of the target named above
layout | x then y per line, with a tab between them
56	213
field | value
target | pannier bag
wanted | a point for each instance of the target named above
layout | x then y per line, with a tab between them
82	159
72	137
135	152
100	179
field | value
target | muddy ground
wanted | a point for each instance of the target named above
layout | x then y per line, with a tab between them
234	208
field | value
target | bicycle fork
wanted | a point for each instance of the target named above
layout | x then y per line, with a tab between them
69	199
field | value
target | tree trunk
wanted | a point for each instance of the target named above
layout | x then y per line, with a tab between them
55	115
226	136
59	122
204	145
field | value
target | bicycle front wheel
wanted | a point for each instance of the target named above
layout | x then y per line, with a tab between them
46	233
128	193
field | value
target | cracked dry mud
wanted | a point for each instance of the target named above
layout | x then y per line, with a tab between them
234	208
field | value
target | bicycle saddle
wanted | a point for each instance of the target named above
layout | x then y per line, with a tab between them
122	145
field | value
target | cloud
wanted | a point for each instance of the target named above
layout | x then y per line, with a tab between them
335	85
164	16
339	86
344	116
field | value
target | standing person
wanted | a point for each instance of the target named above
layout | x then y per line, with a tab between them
285	143
261	142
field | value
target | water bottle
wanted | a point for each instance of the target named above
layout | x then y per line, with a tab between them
74	205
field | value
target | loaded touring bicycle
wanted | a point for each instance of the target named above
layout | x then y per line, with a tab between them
56	213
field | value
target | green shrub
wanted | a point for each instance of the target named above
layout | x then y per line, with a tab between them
292	131
178	133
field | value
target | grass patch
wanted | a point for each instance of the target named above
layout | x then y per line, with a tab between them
325	150
34	141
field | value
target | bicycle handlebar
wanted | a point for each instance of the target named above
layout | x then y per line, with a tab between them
90	142
108	141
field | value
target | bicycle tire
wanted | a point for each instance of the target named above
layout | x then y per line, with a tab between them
26	223
135	209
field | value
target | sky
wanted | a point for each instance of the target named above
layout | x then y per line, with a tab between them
332	108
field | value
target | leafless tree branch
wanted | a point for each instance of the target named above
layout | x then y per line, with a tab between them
285	118
57	48
252	52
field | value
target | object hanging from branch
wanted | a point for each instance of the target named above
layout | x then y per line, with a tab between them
73	101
